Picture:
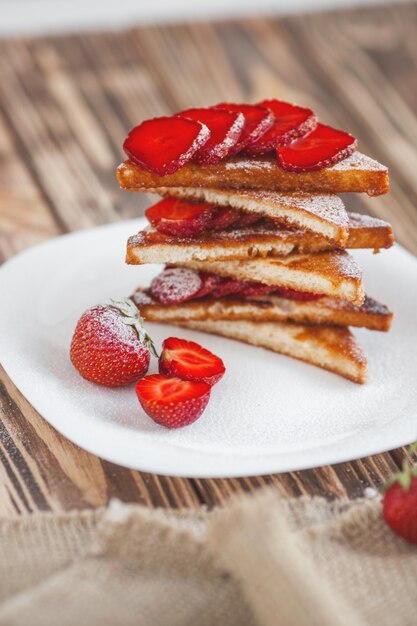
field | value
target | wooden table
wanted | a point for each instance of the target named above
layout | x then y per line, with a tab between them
65	106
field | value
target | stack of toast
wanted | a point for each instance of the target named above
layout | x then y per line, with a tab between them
279	276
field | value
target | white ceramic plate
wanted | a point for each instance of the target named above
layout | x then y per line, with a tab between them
268	414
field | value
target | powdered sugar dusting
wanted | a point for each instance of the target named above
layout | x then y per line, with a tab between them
356	161
359	161
106	322
175	284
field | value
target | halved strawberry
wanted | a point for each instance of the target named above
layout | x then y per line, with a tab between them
190	361
179	217
321	148
292	294
225	129
164	144
175	285
291	122
172	402
258	120
224	217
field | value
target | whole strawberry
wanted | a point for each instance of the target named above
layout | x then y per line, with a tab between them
399	507
110	346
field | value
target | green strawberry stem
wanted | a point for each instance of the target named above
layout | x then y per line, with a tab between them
130	316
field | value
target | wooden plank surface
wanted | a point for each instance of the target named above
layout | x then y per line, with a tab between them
65	106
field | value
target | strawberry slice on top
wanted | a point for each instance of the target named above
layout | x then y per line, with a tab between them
225	129
164	144
291	122
172	402
323	147
190	361
258	120
180	218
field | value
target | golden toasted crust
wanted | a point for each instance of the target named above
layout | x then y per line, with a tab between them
369	232
269	308
151	246
357	173
323	214
332	348
334	273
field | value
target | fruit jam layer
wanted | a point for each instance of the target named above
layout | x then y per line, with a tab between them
175	285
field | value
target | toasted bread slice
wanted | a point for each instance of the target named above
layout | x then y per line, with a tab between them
329	347
269	308
334	273
151	246
356	173
323	214
366	231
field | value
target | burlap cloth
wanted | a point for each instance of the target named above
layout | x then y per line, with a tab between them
260	561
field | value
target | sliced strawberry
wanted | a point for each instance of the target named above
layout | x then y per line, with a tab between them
291	122
190	361
164	144
172	402
292	294
256	289
223	218
179	217
175	285
225	129
321	148
230	286
258	120
209	282
247	219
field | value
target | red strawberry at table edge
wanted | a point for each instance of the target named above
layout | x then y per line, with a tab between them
110	346
172	402
291	122
323	147
190	361
225	130
257	121
399	505
164	144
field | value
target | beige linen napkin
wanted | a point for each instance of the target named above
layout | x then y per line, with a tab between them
260	561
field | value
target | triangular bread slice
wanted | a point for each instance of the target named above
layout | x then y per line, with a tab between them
357	173
334	273
268	308
323	214
329	347
151	246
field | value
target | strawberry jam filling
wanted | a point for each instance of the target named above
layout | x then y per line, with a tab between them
179	284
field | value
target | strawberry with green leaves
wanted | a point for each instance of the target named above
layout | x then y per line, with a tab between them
110	346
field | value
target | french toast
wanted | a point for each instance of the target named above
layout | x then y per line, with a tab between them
324	214
334	273
329	347
356	173
152	246
268	308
